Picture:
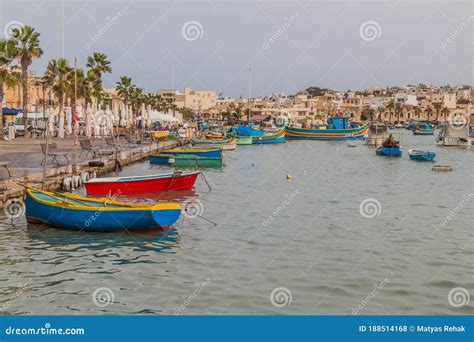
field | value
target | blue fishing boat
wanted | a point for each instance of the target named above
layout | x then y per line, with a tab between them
390	147
72	211
278	137
421	155
186	161
249	130
211	152
423	129
338	128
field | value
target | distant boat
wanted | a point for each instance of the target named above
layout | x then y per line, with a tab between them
228	144
377	134
211	152
421	155
455	134
160	135
249	131
189	160
141	184
72	211
337	129
278	137
215	136
390	147
423	129
244	140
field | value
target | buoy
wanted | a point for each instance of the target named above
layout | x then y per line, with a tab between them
289	177
67	184
351	145
442	168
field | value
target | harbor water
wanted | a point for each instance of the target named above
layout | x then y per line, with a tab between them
305	227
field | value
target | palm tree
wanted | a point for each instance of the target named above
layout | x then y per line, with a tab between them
58	77
437	107
99	64
27	48
124	89
445	112
417	112
398	110
429	112
389	106
8	76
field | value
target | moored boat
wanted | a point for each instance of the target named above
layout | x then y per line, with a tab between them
278	137
244	140
249	130
186	161
390	147
141	184
421	155
228	144
424	129
72	211
160	135
337	129
377	134
210	152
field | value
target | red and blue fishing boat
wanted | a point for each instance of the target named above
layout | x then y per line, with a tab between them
338	128
424	129
142	184
76	212
211	152
276	138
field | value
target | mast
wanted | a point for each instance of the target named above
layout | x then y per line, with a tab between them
250	88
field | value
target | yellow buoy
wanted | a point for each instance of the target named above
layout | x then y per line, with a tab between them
289	177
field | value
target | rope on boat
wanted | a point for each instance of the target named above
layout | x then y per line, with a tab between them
205	179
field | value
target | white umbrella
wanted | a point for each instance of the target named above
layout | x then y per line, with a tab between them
50	121
96	124
110	121
61	125
88	121
68	121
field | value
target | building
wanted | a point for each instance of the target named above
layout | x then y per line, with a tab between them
199	99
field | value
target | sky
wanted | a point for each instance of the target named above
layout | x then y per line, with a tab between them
287	45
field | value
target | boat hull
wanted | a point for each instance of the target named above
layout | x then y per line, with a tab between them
419	132
389	151
244	140
186	161
142	184
276	138
421	155
214	152
326	134
109	218
161	135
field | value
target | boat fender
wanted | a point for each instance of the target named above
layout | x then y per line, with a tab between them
67	184
289	177
84	176
93	175
96	164
77	181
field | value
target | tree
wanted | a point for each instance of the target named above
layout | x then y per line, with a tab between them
445	112
187	113
316	91
27	48
8	76
418	112
398	110
124	89
58	77
389	106
437	107
98	65
429	112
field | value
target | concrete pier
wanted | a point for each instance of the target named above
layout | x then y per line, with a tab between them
25	156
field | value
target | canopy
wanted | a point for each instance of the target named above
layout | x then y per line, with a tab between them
162	117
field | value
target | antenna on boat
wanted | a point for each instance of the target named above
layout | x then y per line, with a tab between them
250	89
